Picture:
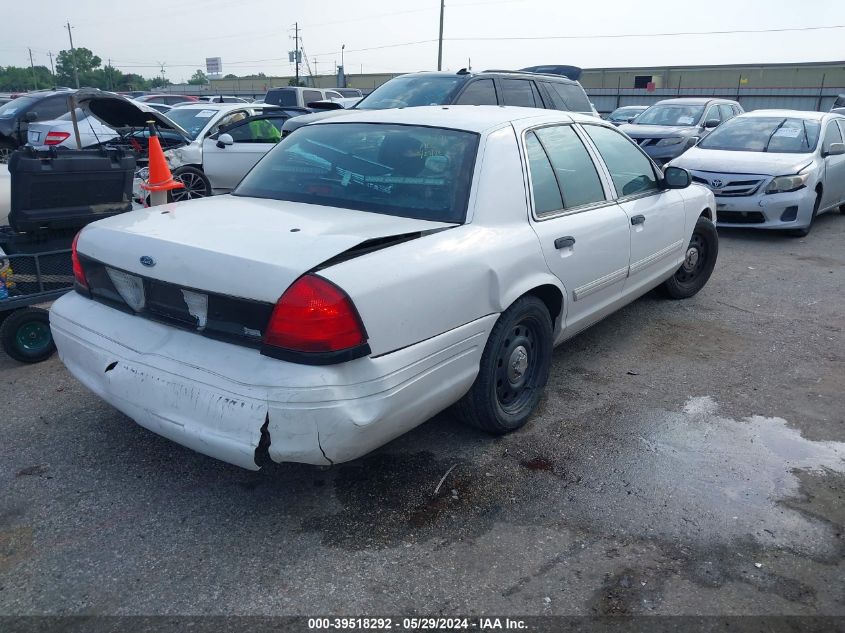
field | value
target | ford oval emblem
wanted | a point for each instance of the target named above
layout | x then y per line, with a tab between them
148	261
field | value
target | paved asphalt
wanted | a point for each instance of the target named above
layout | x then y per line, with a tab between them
688	459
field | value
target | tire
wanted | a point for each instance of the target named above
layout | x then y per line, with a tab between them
6	149
804	232
513	370
25	335
196	185
699	262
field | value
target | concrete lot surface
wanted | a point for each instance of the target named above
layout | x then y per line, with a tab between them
688	459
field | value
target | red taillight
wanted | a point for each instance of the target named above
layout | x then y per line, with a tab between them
54	138
78	272
314	315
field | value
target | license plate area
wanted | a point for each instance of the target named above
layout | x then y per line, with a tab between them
168	301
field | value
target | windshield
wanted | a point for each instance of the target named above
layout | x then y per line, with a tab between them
674	115
624	114
765	134
15	107
411	91
403	170
192	120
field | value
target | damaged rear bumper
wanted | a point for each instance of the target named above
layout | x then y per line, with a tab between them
215	397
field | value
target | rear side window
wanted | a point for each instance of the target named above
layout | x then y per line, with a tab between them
571	97
311	95
544	187
479	92
576	174
51	108
632	172
403	170
520	92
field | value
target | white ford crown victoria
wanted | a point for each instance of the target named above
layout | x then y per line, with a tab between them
373	270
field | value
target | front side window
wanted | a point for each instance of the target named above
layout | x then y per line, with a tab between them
519	92
632	172
727	112
479	92
403	170
574	169
713	114
673	115
257	131
764	134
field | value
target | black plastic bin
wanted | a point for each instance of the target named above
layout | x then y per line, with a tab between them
66	190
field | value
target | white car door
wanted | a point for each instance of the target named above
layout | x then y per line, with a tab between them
225	165
656	215
834	167
583	234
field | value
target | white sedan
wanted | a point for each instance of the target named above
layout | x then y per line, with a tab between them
373	270
772	169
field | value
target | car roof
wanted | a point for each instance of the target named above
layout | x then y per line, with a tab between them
499	73
793	114
470	118
205	105
694	101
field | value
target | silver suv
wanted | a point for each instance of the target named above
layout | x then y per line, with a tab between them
670	127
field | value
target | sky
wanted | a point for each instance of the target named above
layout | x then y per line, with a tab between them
254	36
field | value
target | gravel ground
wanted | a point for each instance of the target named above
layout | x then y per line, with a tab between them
688	459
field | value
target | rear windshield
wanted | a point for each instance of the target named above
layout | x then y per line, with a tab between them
674	115
15	107
403	170
411	91
283	96
765	134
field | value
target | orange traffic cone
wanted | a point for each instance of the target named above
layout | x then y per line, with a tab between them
160	180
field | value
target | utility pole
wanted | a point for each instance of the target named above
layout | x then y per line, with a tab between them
52	70
31	65
440	39
296	49
314	76
73	56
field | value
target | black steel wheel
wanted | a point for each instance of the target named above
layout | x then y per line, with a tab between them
513	369
25	335
196	185
699	262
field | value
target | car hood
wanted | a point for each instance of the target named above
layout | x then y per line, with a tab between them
118	112
725	162
657	131
297	122
238	246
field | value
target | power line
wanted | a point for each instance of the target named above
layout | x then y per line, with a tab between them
623	35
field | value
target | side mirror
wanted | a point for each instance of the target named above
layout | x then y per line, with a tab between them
835	149
676	178
709	124
225	139
30	116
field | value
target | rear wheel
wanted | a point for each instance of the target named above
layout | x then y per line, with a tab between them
196	184
25	335
699	262
6	149
513	370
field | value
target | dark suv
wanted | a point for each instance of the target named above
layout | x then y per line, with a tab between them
550	87
15	116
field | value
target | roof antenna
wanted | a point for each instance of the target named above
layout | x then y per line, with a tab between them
469	64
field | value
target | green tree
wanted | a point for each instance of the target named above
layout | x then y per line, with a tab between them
159	82
199	78
14	78
83	60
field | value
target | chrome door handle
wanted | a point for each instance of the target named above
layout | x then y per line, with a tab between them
564	242
637	219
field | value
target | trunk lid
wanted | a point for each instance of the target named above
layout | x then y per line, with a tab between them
240	247
120	113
